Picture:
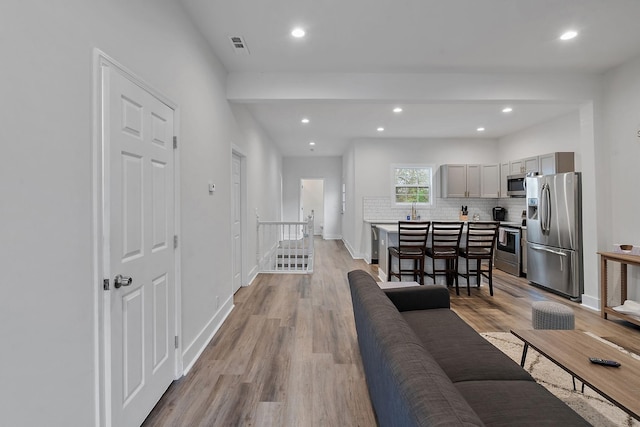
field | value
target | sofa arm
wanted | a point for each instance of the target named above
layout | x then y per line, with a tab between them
419	297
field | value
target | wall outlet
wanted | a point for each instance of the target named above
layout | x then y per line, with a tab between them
212	187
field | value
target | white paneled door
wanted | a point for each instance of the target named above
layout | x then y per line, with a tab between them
236	221
139	213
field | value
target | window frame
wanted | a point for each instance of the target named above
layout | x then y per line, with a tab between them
394	184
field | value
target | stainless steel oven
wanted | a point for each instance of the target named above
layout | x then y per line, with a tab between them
508	250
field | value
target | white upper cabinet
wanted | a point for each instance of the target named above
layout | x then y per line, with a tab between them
531	164
516	167
557	163
460	180
505	171
490	181
473	180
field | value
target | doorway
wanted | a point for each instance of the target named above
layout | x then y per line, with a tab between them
312	203
238	215
136	234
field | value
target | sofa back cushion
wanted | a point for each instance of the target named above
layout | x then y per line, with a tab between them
406	385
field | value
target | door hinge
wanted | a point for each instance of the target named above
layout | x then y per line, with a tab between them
175	241
105	284
176	341
175	142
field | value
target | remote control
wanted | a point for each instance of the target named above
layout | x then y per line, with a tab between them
604	362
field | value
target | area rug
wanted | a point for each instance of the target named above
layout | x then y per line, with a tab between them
591	406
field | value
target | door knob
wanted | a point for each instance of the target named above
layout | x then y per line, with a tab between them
121	280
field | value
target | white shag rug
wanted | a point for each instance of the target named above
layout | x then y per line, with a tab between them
591	406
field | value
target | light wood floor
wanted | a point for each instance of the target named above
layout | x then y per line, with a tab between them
288	354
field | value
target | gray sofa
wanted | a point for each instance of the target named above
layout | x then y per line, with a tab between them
426	367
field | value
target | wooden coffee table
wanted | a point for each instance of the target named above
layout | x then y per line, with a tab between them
571	349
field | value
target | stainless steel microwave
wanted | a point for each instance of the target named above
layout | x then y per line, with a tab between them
516	186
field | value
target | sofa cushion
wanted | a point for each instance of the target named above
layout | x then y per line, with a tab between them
459	350
517	403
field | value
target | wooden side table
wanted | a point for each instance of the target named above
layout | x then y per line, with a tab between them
624	260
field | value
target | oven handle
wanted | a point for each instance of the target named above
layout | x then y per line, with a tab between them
540	248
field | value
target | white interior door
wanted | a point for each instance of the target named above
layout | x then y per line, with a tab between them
312	202
236	221
139	244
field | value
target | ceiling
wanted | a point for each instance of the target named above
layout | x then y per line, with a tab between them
412	36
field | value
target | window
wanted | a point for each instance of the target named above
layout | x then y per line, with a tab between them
412	184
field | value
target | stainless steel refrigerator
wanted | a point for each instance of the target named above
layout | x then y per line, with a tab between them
554	233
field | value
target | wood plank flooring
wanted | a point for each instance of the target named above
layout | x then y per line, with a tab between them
288	354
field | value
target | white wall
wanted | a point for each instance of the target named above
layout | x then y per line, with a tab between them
349	215
47	323
559	134
263	175
327	168
372	170
621	140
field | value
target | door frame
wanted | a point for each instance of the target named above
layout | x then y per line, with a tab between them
100	230
237	151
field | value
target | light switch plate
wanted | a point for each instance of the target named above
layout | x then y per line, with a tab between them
212	188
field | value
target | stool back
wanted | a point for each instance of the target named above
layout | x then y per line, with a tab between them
481	238
412	236
445	238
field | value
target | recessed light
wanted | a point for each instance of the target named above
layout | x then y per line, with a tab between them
397	110
305	120
380	129
507	109
298	32
312	143
568	35
480	129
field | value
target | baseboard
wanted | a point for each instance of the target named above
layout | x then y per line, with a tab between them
192	353
332	237
591	302
252	275
352	252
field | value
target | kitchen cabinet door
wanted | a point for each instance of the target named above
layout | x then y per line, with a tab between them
557	163
505	171
531	164
490	185
516	167
474	180
454	180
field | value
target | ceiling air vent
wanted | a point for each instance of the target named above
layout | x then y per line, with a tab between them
239	45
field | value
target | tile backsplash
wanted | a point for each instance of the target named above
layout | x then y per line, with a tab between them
382	209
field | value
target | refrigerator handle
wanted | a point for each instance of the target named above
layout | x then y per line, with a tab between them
542	248
546	197
543	209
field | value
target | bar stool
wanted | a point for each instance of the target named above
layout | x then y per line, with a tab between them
480	243
445	242
412	240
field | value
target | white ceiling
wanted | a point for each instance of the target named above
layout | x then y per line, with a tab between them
412	36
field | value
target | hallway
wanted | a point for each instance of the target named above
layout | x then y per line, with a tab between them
287	355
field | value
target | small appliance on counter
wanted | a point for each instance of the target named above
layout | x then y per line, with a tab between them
499	213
